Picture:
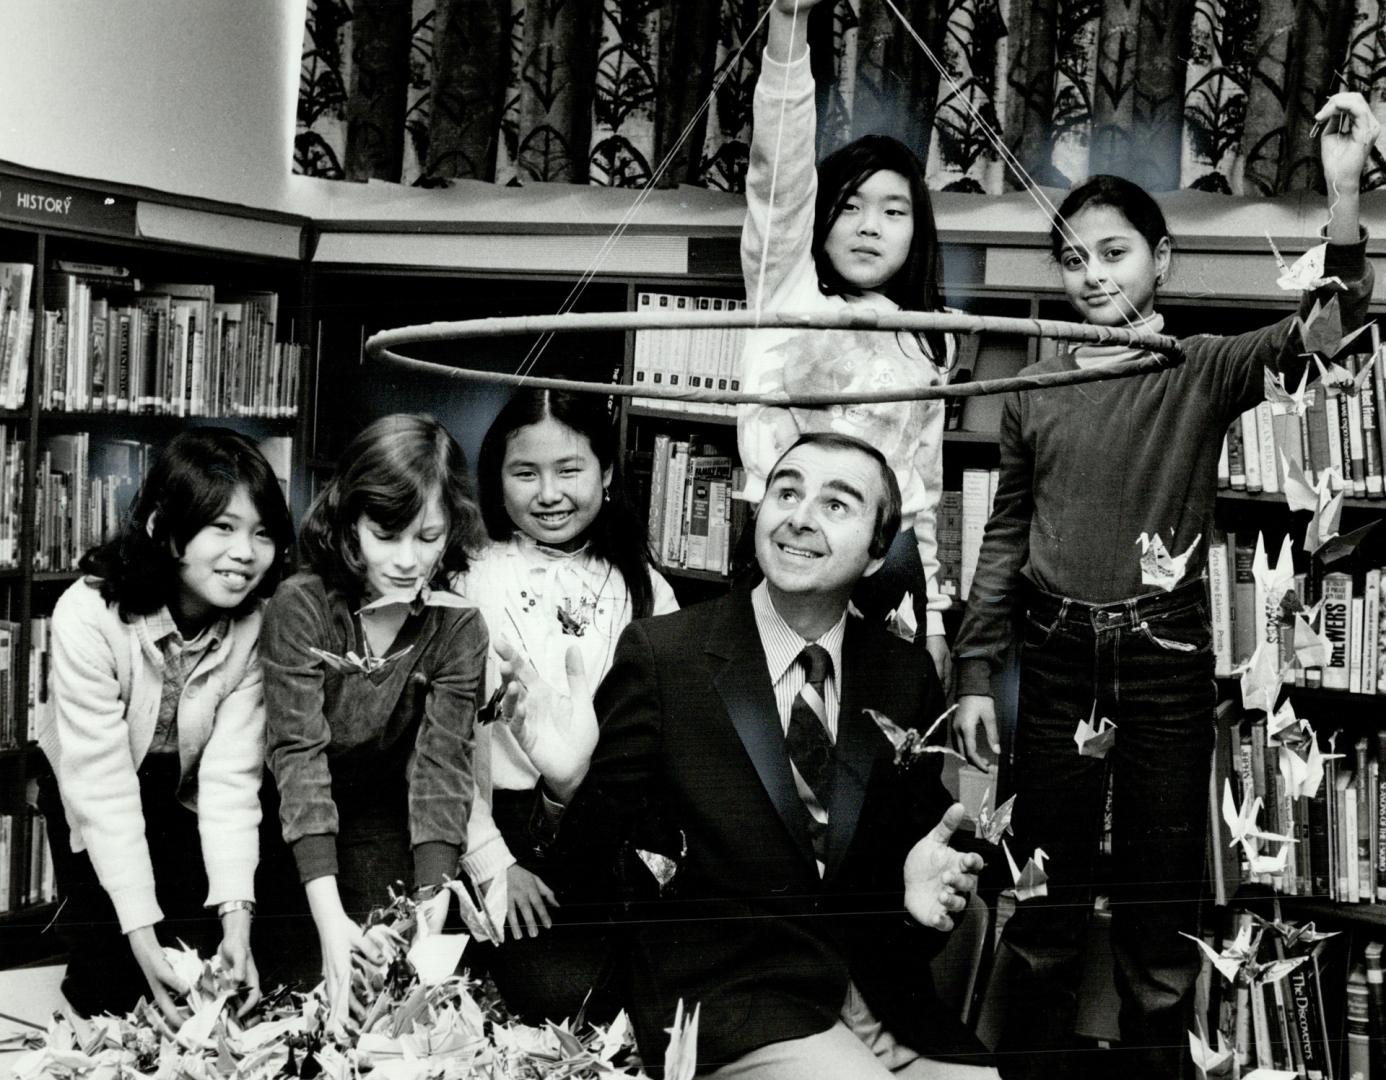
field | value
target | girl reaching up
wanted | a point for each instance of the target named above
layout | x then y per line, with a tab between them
1093	478
859	229
567	568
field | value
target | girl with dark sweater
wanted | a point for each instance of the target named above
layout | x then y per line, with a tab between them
372	671
1086	472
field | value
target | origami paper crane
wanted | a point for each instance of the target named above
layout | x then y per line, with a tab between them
994	822
909	745
1032	881
1301	761
1287	402
1333	376
1209	1061
1337	547
351	663
1241	821
681	1055
483	913
1158	567
901	622
1261	678
1306	274
1237	962
1095	737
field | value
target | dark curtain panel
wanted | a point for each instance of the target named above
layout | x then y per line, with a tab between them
1217	95
382	32
471	69
556	89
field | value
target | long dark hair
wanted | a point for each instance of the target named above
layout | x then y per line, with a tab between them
388	473
617	534
189	484
916	286
1129	199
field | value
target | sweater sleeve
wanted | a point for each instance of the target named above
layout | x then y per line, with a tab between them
297	731
987	622
781	186
1234	366
95	769
487	852
440	770
228	788
928	463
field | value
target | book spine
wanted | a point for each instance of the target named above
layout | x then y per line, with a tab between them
1337	614
1356	444
1355	615
975	485
1236	457
1371	630
1358	1012
1220	606
1251	441
1270	459
1371	436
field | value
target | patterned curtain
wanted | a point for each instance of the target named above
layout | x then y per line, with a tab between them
1217	95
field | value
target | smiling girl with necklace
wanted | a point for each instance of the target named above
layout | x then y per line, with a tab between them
567	568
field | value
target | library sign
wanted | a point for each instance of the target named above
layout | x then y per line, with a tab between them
57	205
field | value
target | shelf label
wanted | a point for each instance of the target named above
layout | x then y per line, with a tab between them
69	207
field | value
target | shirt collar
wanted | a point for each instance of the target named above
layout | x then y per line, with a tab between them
522	543
163	629
782	643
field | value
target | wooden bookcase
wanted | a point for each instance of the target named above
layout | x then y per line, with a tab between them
48	222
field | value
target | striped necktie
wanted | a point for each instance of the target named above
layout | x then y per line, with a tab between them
810	747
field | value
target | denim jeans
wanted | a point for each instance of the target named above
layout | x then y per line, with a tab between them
1147	664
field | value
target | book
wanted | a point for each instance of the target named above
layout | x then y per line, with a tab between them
1251	441
1220	605
1337	615
975	511
1243	599
1376	1006
1358	1025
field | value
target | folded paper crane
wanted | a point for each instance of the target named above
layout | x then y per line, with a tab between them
1306	274
1095	737
1159	568
993	822
1031	881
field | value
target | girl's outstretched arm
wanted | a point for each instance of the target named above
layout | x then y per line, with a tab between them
1345	145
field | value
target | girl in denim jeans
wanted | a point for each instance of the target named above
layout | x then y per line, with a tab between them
1090	476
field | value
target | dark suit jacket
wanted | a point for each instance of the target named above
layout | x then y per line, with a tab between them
691	764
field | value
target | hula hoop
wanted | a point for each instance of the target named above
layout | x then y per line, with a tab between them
1163	351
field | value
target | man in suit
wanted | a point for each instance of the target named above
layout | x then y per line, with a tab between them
776	864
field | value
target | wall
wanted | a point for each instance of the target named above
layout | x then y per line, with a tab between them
189	96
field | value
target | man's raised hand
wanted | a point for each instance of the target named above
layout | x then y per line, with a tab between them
938	879
558	732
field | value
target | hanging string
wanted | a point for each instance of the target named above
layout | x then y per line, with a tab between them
1027	182
574	294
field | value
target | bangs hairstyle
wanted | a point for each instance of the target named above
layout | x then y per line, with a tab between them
1130	200
916	285
189	484
388	473
617	534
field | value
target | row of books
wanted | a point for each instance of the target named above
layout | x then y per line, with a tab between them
16	331
12	457
1290	1023
85	487
694	519
81	497
112	344
702	359
1336	849
27	880
1244	613
1339	431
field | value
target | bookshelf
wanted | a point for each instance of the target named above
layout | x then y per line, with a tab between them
96	253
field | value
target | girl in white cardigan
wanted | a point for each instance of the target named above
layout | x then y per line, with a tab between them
156	739
567	568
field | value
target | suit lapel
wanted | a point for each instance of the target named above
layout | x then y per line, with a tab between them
858	744
743	682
